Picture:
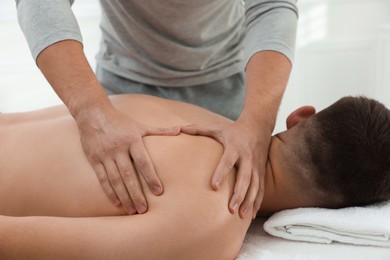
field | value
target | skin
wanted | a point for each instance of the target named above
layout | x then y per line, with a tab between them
189	220
246	140
102	127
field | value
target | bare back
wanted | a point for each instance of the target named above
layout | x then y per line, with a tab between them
44	170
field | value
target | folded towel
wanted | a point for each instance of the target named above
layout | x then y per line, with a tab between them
369	225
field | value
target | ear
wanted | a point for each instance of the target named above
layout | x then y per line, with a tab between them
299	115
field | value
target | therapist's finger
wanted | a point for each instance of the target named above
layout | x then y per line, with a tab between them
145	166
250	196
161	131
118	186
243	180
105	183
131	180
225	165
259	197
206	130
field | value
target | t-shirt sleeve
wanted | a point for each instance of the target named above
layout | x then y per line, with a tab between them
270	25
45	22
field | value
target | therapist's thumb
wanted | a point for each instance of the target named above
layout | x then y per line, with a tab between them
162	130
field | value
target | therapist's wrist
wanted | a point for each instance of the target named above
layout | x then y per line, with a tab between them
93	110
88	97
262	118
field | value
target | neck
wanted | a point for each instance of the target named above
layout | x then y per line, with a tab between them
279	190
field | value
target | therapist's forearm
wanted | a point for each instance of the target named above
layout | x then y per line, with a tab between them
267	74
67	70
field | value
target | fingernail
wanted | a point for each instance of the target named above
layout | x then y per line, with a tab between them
244	211
142	209
254	215
157	190
131	210
234	207
117	202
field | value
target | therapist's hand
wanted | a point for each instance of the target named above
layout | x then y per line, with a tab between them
245	147
114	147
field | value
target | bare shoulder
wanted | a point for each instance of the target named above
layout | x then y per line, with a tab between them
145	109
163	112
186	165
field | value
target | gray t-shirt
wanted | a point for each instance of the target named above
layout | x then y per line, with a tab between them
170	42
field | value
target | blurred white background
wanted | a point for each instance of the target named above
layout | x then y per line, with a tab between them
343	48
22	86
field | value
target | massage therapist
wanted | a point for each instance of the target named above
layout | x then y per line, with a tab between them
232	57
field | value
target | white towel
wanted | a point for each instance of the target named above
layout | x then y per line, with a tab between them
369	225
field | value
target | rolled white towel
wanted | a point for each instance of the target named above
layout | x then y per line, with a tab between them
368	225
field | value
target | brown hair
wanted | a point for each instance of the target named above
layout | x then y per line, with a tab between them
349	149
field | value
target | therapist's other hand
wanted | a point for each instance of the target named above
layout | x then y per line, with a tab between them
114	147
245	148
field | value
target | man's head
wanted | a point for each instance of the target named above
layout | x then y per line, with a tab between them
340	156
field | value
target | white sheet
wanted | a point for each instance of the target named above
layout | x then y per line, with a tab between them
260	245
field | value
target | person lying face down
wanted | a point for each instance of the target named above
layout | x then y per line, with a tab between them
338	157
